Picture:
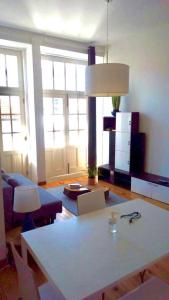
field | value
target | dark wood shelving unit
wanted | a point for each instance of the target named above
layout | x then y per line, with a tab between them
109	172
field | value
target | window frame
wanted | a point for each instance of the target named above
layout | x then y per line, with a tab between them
54	92
66	94
13	91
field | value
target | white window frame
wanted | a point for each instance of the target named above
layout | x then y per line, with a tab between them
52	93
55	93
14	91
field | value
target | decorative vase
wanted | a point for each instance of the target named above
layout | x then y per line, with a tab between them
92	180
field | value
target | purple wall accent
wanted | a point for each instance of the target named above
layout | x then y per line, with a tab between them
92	156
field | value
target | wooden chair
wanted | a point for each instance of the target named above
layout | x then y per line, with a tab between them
27	286
152	289
91	201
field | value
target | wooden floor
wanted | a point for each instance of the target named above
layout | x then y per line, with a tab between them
8	278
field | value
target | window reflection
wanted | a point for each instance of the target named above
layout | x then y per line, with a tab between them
12	70
59	80
2	68
47	74
70	77
81	77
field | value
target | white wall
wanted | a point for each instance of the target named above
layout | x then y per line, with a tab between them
147	54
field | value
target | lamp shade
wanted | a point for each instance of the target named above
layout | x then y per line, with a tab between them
109	79
26	199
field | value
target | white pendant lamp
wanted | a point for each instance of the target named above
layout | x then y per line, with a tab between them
108	79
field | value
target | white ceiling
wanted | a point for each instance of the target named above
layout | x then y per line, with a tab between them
84	20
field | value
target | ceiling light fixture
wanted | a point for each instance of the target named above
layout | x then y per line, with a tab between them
107	79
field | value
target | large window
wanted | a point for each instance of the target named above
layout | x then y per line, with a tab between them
11	100
54	122
12	111
65	114
63	75
11	123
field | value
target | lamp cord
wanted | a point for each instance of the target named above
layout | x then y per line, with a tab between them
107	42
107	45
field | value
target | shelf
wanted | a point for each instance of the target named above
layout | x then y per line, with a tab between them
109	123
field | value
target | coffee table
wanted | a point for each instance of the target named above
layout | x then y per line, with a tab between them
74	193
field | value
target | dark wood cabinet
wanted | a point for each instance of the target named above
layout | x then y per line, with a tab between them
126	149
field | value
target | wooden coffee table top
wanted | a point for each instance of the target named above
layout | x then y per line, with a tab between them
73	193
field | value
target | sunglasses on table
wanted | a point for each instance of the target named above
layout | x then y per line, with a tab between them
132	216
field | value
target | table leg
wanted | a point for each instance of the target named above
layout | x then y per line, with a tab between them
24	251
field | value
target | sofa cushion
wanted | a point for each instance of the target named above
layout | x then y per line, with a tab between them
5	176
12	182
8	204
19	179
45	197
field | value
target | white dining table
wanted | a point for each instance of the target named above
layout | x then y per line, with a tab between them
81	258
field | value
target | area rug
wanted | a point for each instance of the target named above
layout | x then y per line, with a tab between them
71	205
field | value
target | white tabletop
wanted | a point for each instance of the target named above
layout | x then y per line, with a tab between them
81	257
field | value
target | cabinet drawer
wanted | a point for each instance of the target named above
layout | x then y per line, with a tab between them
160	192
123	140
140	186
122	160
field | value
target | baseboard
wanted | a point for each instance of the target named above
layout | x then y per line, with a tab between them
3	263
67	176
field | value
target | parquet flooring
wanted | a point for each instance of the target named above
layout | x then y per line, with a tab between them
8	278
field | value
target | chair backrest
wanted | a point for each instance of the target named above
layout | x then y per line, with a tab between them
152	289
27	287
91	201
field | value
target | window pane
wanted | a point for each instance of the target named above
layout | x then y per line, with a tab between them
17	142
7	142
48	106
82	106
15	104
81	77
47	74
6	124
83	137
58	123
59	81
57	106
16	123
48	123
2	70
73	138
59	140
72	106
82	122
73	122
70	77
5	107
12	70
49	140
